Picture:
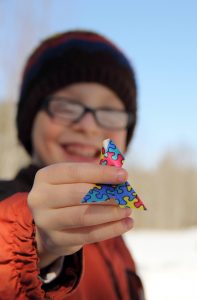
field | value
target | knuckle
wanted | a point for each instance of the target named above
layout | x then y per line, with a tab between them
32	199
39	175
78	172
74	171
81	220
36	197
42	174
71	169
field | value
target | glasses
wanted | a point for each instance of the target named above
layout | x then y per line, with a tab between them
68	111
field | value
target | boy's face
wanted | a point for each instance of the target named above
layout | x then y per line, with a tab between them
54	142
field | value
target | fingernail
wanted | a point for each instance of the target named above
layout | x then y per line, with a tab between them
128	223
122	176
127	211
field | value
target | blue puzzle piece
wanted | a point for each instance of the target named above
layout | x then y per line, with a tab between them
120	201
94	195
99	194
122	189
113	149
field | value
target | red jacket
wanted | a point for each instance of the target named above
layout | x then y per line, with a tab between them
105	271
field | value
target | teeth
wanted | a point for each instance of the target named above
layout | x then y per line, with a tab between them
81	152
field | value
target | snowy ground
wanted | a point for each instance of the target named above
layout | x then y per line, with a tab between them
167	262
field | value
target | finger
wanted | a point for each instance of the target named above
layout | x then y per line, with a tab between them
83	216
81	172
104	231
89	235
57	196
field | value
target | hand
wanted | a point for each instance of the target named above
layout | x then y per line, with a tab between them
63	225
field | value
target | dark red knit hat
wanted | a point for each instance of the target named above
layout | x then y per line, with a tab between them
71	57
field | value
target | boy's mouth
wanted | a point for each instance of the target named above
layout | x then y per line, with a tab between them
83	151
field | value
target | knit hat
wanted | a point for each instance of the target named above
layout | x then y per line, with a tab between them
73	57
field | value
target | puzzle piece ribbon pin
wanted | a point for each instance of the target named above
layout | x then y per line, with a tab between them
123	193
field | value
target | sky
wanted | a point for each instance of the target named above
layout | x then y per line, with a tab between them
159	38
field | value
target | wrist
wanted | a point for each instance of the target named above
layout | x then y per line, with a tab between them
45	256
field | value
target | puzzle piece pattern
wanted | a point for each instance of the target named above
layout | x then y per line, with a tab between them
123	194
97	194
111	155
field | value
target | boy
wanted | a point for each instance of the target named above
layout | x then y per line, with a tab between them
77	89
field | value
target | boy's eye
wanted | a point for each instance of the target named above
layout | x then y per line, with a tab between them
66	108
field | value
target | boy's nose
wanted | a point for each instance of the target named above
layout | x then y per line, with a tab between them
87	122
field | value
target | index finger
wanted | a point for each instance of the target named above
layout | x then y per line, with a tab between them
81	173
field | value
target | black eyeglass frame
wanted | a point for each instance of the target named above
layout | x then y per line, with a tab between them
47	100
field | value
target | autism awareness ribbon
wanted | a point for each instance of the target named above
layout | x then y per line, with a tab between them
123	193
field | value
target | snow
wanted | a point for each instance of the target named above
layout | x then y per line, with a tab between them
166	262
